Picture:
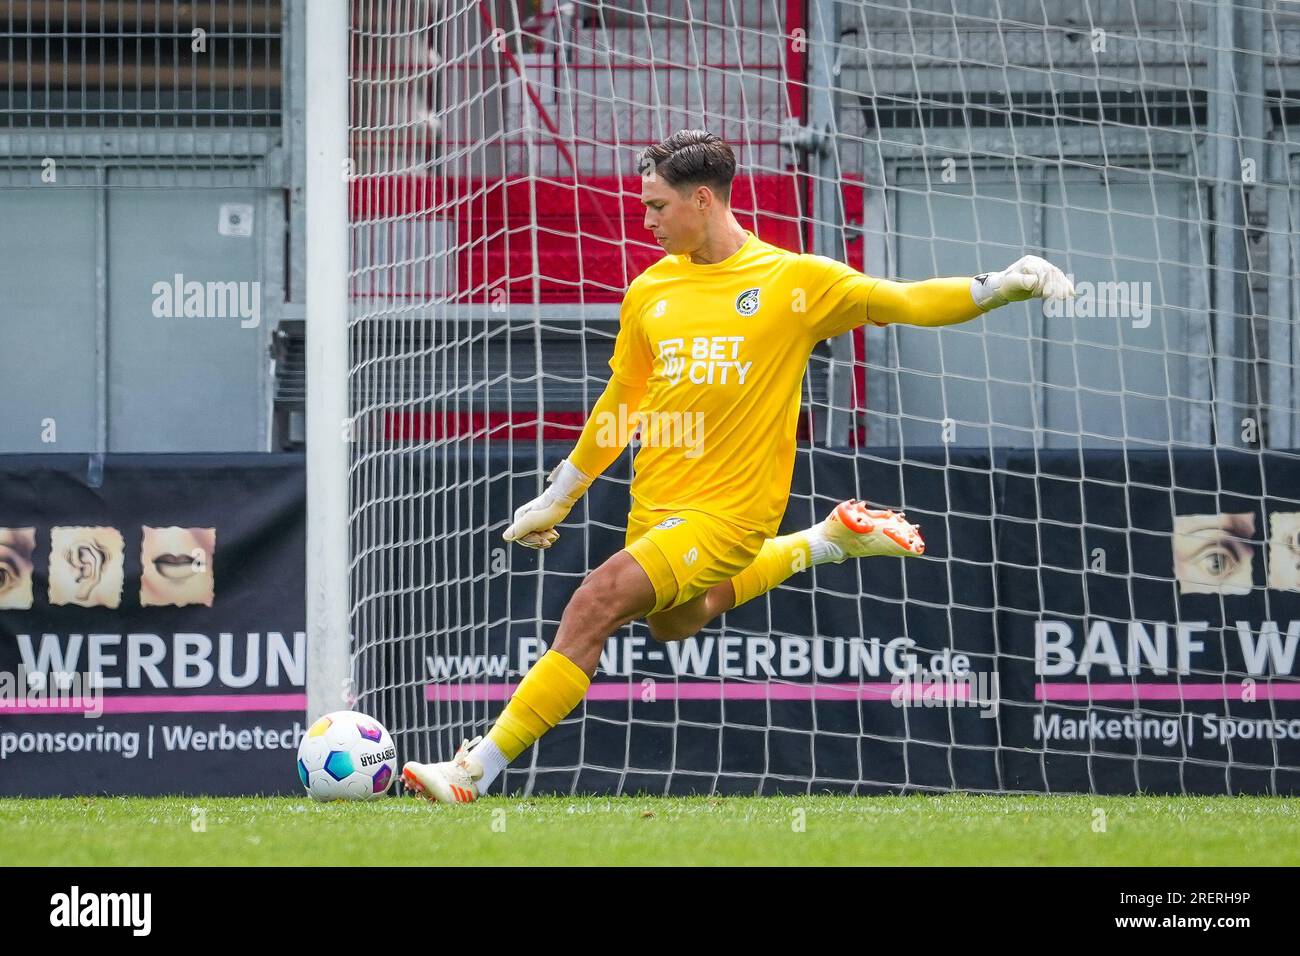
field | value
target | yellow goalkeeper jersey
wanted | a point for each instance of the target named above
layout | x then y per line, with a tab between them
722	350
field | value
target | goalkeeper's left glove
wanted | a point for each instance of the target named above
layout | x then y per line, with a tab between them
1025	278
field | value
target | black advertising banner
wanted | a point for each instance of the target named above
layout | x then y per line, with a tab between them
1149	621
152	636
1109	622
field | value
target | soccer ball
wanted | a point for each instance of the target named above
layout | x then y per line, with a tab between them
346	756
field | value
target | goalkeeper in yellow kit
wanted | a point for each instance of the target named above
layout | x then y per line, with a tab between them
712	346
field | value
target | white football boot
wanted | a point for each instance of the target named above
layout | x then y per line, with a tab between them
859	532
452	781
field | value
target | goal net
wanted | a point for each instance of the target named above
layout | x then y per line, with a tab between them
1109	489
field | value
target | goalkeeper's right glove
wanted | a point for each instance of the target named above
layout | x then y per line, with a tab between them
534	524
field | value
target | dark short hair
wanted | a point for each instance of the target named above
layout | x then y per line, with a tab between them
692	157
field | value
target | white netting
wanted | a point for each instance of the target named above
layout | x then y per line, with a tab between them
1067	468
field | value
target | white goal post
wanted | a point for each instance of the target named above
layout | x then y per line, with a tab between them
328	651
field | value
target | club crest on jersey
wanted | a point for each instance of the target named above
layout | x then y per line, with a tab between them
747	302
670	523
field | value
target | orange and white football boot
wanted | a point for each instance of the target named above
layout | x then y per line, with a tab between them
859	532
452	781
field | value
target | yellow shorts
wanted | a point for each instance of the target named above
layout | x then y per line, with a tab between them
687	552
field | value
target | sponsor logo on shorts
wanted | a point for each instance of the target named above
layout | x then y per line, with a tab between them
747	302
670	522
690	556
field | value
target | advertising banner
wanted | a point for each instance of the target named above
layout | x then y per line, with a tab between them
1114	622
152	634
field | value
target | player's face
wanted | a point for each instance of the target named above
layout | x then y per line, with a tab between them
677	221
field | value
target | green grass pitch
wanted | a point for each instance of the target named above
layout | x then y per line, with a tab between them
950	829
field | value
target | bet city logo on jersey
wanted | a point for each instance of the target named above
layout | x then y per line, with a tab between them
708	360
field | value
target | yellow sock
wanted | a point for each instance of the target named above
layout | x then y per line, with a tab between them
547	694
776	560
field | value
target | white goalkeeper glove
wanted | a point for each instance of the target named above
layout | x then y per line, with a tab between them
1025	278
534	524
